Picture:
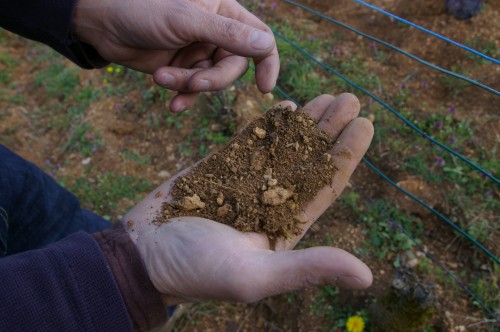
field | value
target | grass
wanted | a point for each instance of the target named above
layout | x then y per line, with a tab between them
104	192
381	231
58	80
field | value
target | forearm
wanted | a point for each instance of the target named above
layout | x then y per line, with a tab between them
49	22
34	209
66	286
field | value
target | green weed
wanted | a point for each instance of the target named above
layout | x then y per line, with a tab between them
57	80
138	159
8	60
5	77
103	193
381	230
83	139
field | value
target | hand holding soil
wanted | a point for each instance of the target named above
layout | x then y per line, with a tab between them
265	189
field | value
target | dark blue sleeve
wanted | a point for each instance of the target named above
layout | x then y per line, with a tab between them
66	286
34	209
49	22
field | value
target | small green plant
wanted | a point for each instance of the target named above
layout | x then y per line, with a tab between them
103	193
454	85
326	304
138	159
381	228
57	80
83	139
8	60
5	77
487	47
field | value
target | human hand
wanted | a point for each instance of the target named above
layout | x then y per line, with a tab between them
191	259
188	46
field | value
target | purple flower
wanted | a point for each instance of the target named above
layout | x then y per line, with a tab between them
274	4
402	85
118	106
439	124
452	139
424	84
488	193
452	109
439	160
313	37
391	223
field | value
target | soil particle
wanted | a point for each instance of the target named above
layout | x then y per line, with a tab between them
188	203
276	196
262	179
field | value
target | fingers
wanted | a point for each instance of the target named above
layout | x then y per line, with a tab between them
284	271
346	155
238	31
285	103
317	107
342	110
209	78
183	101
266	71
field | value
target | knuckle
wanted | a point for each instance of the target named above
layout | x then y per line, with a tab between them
232	31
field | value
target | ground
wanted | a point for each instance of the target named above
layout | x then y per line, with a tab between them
107	136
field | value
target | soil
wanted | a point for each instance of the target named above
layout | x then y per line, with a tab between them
262	179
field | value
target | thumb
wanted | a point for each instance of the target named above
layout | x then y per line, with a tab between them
285	271
233	36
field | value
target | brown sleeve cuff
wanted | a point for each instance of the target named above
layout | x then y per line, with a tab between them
143	301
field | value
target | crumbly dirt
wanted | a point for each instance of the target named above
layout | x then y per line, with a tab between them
262	179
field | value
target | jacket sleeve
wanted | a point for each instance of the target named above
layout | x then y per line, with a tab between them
49	22
66	286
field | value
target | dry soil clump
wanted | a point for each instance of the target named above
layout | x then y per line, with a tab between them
262	179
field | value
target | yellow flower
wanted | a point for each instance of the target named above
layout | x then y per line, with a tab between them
355	324
118	70
109	69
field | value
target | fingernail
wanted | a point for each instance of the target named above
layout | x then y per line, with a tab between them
202	85
167	80
261	40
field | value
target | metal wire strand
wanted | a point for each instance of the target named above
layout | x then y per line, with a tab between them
397	49
436	261
430	32
389	108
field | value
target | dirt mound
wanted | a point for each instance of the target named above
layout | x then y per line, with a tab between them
262	179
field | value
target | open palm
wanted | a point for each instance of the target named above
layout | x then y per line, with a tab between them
190	259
